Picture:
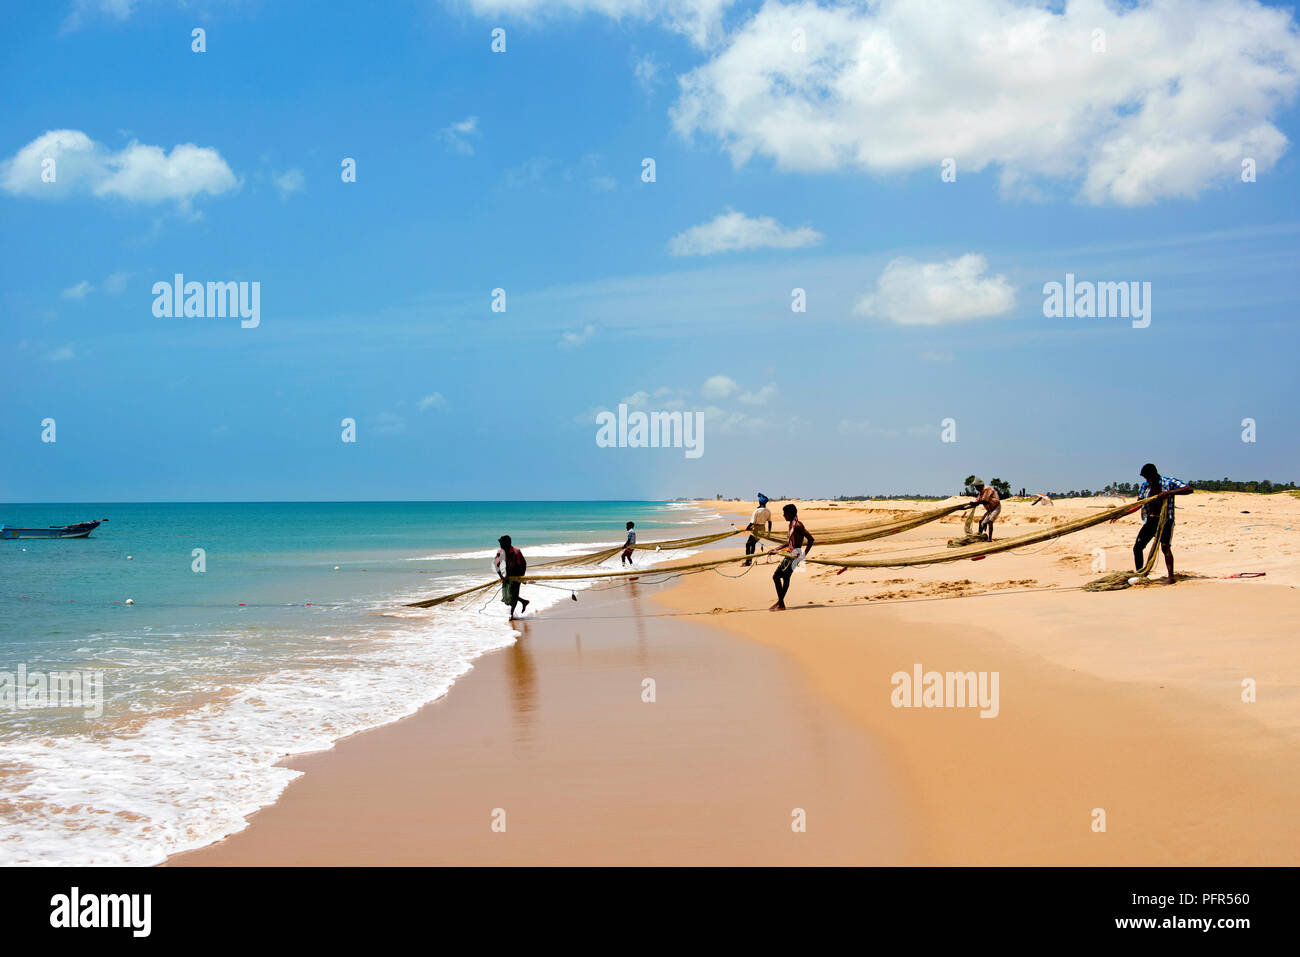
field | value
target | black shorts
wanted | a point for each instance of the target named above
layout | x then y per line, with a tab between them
1148	532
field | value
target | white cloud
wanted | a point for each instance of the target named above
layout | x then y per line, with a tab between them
571	339
732	231
913	293
137	173
78	292
718	387
114	9
721	420
759	397
388	423
700	20
433	400
457	136
647	71
61	354
547	170
729	422
289	182
862	428
529	172
664	397
1183	92
116	283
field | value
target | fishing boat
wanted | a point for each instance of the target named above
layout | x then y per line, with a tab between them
79	530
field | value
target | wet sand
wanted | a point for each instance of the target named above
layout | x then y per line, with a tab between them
554	732
1123	735
1131	702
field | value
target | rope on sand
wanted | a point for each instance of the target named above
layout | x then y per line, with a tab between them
974	551
969	538
984	548
861	533
1115	581
872	530
595	558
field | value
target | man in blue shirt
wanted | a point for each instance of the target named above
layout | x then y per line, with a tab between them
1162	487
629	544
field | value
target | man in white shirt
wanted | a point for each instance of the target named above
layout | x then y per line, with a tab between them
762	521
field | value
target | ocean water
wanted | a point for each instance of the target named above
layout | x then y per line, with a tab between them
293	637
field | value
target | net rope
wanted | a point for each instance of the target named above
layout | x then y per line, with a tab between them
860	533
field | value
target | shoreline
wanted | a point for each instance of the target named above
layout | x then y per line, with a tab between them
554	731
297	676
1123	704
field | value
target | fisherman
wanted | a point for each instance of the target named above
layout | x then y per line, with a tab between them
798	543
1167	487
988	497
509	563
760	521
629	544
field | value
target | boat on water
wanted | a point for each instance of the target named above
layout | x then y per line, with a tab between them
79	530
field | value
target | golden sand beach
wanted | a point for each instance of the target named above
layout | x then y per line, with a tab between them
1155	725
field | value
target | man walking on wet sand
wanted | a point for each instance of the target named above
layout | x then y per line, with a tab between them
629	544
760	522
508	563
798	543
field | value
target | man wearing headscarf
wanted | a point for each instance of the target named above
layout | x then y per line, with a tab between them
988	497
762	521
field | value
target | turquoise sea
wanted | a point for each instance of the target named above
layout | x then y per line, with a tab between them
287	633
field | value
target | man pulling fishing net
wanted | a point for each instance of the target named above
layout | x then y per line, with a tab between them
987	496
1162	487
798	544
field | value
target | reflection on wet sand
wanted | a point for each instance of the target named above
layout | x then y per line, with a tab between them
523	686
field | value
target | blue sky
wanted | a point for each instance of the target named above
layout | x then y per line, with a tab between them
775	169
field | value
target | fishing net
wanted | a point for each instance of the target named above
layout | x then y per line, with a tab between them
871	530
969	537
595	558
983	547
859	533
1115	581
977	549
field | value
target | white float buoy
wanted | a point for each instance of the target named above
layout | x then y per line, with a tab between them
129	601
128	558
336	568
1134	581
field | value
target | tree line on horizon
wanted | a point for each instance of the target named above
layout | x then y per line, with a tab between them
1115	489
